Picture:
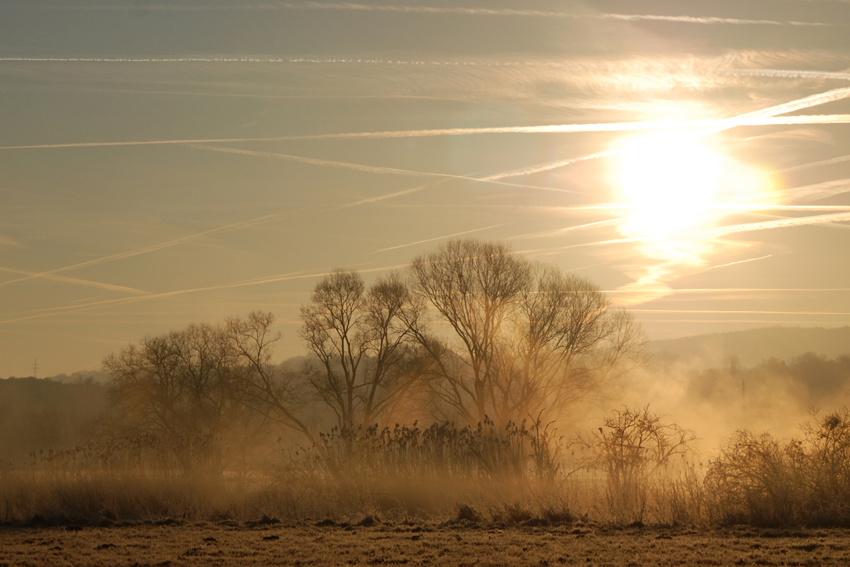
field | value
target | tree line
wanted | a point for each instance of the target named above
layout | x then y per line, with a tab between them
470	333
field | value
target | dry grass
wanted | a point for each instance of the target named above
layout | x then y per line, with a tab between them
414	543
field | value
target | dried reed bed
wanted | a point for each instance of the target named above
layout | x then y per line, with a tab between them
636	471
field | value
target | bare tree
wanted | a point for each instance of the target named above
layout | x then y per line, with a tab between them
362	341
203	388
522	338
179	388
265	388
564	342
475	287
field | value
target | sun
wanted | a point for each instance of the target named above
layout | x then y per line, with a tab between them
668	182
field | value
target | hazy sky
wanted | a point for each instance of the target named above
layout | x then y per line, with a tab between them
164	163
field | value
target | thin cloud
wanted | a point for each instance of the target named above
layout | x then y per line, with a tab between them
6	241
541	14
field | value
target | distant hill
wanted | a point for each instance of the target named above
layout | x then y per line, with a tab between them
755	345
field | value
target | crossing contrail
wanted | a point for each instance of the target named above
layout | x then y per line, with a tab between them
146	250
76	281
381	170
124	300
765	116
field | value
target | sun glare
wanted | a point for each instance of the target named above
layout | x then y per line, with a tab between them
673	189
670	183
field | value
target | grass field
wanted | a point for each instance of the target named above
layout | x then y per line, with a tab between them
369	542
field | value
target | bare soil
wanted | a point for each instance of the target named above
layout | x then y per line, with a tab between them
268	542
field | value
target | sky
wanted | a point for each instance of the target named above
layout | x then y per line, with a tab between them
163	163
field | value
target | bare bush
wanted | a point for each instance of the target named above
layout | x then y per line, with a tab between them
631	449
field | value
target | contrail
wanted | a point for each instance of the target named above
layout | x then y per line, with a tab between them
716	232
440	238
543	167
138	252
323	162
757	118
440	11
809	192
794	105
125	300
786	74
147	143
77	281
726	321
699	290
739	262
823	163
375	169
764	116
767	225
540	14
568	229
741	312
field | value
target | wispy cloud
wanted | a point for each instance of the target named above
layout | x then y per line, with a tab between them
442	10
6	241
538	14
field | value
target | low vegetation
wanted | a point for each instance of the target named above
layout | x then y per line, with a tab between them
434	395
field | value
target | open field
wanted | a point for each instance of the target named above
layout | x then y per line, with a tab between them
408	543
